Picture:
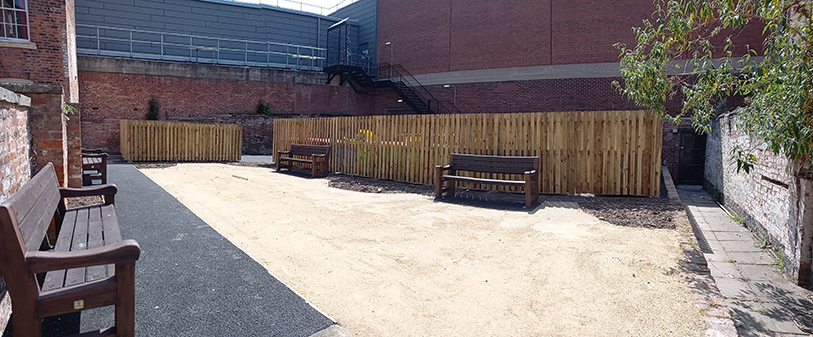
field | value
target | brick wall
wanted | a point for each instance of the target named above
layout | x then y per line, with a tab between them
429	36
774	201
108	95
47	125
50	62
258	130
73	129
15	163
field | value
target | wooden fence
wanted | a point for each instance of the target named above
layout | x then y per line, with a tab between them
599	152
177	141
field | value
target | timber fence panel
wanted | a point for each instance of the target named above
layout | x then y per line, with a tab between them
598	152
179	141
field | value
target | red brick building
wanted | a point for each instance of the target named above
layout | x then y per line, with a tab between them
524	55
38	60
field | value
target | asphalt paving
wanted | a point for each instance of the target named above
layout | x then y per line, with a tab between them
190	280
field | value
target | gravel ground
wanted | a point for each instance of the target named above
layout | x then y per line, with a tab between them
645	212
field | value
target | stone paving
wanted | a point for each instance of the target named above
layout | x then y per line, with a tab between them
761	300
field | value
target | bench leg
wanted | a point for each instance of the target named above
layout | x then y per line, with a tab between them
438	182
25	320
125	300
531	191
314	165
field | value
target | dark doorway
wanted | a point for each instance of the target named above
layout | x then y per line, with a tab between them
692	158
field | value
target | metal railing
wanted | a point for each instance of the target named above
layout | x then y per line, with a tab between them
152	45
396	73
298	5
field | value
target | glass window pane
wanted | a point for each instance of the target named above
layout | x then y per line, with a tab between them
7	4
20	4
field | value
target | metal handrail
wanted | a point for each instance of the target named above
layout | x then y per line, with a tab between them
397	73
296	56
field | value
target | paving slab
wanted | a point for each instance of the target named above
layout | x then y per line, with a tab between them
740	246
755	257
724	269
761	301
742	235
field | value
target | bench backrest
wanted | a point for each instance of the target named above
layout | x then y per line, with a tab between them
493	164
24	219
309	150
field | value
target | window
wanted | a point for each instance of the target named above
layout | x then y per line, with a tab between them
14	19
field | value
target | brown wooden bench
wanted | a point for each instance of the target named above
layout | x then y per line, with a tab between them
446	176
90	265
315	155
94	166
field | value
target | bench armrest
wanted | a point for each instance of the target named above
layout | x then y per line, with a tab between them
107	190
283	152
119	252
443	168
531	172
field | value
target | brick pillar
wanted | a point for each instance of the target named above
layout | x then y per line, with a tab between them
47	125
74	136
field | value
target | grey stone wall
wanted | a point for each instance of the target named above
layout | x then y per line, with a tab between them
771	198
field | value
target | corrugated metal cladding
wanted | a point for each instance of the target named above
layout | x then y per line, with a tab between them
234	20
208	18
365	12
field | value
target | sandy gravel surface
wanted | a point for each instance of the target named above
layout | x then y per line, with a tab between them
403	265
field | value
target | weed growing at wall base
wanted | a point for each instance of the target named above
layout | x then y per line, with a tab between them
152	109
263	109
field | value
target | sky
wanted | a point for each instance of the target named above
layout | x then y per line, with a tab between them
323	7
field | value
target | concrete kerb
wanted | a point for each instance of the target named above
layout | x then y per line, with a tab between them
710	299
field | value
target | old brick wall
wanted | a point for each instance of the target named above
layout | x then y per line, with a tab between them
258	130
48	58
73	135
47	125
209	92
15	163
771	197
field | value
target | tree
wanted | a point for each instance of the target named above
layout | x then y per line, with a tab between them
778	87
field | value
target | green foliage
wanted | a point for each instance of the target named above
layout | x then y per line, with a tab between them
736	218
687	48
153	109
263	109
715	194
68	111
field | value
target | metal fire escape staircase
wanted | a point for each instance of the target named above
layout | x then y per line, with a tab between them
353	67
395	77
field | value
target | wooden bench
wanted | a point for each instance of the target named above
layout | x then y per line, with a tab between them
446	176
90	265
315	155
94	166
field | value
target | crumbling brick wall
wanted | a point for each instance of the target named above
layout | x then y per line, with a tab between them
15	163
771	197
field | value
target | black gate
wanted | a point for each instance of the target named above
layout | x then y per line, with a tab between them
692	158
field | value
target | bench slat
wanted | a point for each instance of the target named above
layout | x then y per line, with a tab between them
55	279
484	181
297	159
95	240
492	164
80	238
112	233
35	222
